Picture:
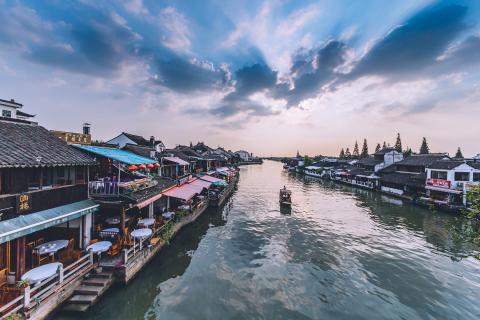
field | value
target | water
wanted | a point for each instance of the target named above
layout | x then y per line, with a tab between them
343	253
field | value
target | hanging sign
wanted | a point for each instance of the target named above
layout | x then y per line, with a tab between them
24	202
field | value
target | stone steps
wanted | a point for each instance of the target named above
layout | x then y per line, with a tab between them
89	291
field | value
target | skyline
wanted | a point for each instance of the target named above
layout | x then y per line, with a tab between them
271	77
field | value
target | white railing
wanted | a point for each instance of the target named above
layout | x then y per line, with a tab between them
46	288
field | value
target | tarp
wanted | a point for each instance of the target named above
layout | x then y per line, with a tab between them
210	178
26	224
177	160
123	156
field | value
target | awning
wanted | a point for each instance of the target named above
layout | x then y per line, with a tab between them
177	160
186	191
117	154
26	224
202	183
146	202
210	178
443	189
313	168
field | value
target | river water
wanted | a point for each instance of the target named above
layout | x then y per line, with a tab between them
342	253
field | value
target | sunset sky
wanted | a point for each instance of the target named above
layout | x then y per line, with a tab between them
270	77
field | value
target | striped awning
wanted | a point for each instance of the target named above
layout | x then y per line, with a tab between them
25	224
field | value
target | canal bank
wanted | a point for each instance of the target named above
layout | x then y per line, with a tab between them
343	253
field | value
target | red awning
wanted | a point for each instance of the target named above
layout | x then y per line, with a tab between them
186	191
145	203
210	179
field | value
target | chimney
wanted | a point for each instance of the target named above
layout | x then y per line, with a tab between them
152	141
86	128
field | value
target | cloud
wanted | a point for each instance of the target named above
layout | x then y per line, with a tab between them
175	33
185	76
414	45
136	7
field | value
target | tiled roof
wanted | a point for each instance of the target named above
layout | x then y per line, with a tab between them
369	161
383	151
475	165
137	139
140	150
445	164
21	144
421	159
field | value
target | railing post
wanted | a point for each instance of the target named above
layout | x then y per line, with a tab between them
125	256
60	273
90	256
26	297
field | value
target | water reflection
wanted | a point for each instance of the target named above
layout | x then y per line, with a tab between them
342	253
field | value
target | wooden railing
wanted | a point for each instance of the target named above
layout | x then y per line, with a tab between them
43	290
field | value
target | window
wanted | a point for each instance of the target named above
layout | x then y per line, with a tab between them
438	175
6	113
462	176
476	176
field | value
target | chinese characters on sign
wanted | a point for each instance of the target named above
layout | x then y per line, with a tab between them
71	137
439	183
24	202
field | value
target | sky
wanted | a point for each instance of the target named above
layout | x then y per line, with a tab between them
270	77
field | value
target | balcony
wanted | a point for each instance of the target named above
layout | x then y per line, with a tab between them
41	199
116	189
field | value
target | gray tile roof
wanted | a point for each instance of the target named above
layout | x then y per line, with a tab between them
21	144
421	159
445	164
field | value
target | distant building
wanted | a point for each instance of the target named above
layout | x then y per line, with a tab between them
244	155
127	138
10	111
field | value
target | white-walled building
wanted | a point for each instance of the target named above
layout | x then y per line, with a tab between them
127	138
9	110
244	155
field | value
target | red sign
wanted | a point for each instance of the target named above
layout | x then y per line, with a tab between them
439	183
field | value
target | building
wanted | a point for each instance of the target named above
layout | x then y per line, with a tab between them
127	138
10	110
449	180
244	155
407	177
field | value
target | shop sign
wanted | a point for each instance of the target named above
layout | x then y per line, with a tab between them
24	202
439	183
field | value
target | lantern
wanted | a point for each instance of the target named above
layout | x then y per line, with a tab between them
150	166
133	167
157	165
142	167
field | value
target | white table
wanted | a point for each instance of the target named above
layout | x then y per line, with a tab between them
146	222
168	215
42	272
99	247
184	207
141	233
114	230
51	247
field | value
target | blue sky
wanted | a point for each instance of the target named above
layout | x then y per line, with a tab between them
268	76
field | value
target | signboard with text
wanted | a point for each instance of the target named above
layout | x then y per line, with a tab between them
439	183
24	202
72	137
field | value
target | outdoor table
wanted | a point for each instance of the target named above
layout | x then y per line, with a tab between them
141	233
115	220
43	272
99	247
146	222
115	230
184	207
168	215
201	197
51	247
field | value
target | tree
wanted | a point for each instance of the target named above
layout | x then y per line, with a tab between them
398	143
408	152
348	155
342	154
364	153
355	153
459	154
307	161
424	149
378	148
384	145
473	200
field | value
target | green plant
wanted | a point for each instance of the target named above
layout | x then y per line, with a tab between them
14	316
473	200
167	232
23	283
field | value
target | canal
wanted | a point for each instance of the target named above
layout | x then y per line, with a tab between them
342	253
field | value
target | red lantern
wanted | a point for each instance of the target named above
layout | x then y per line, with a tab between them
133	167
150	166
142	167
157	165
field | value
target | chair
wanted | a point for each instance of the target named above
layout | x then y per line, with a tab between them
37	258
116	246
39	241
66	255
3	277
154	241
93	241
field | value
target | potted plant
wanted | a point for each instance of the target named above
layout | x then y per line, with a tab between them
23	283
14	316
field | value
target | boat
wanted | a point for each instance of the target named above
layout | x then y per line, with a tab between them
285	197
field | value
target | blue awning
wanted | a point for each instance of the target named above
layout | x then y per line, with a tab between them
26	224
123	156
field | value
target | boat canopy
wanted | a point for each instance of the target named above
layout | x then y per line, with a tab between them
123	156
29	223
